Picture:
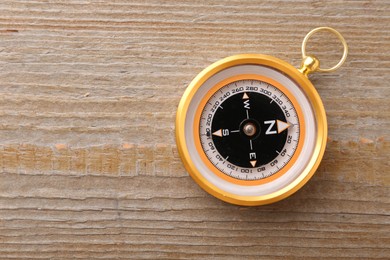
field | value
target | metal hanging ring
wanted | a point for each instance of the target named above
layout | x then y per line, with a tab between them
345	52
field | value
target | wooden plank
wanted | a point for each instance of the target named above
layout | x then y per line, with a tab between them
88	161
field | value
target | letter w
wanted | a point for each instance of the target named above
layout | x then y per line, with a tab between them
246	104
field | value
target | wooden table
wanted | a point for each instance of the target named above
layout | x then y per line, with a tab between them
88	160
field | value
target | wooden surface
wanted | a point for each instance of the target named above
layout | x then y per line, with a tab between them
88	161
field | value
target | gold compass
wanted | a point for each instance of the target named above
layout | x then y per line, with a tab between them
251	129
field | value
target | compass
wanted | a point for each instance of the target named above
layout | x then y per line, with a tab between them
251	129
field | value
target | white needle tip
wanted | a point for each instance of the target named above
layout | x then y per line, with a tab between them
253	163
282	126
218	133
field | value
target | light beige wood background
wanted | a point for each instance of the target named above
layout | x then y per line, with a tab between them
88	161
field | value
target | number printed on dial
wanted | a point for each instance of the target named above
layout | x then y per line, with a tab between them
249	128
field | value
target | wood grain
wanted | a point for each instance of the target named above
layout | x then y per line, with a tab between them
88	161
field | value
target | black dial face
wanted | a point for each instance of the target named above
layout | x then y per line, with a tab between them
248	120
249	129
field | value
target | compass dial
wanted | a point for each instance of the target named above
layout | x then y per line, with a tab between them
249	128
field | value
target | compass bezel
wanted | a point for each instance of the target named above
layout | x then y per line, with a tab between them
273	83
306	87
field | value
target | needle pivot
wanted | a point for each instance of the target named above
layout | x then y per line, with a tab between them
249	129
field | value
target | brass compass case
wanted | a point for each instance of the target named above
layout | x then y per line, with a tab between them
306	157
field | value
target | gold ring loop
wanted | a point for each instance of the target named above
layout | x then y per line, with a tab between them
345	53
